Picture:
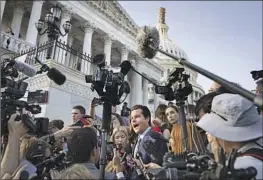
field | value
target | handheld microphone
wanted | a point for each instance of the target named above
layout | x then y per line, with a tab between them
24	68
139	156
147	42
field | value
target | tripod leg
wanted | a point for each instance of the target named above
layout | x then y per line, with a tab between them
183	125
104	135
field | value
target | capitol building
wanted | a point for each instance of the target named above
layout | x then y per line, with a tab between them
96	27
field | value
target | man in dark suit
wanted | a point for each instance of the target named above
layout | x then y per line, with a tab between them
83	149
141	125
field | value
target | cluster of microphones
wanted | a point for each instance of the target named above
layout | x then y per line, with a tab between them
30	71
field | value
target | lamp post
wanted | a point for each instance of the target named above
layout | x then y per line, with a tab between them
52	29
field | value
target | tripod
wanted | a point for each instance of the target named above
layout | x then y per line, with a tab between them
106	116
180	102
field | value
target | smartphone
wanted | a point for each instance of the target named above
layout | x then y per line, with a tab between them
31	169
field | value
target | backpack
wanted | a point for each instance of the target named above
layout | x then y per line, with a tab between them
253	152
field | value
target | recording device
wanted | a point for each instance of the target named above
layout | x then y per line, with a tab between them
176	87
109	151
130	164
257	74
11	67
125	111
147	42
82	121
193	166
10	104
110	86
109	82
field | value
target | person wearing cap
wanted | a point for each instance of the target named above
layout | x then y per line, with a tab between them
233	122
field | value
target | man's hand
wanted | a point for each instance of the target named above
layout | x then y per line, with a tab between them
151	166
16	128
65	132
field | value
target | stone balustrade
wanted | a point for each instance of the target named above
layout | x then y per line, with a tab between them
14	44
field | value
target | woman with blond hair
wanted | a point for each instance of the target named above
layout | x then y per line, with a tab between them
120	141
195	142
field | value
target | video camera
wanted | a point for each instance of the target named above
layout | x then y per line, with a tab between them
176	87
257	74
10	103
190	166
109	82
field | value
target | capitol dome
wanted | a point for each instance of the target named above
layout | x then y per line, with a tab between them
166	44
170	64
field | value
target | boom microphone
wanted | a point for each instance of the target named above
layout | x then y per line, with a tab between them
56	76
147	42
24	68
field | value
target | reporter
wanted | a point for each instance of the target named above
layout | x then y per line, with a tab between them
233	121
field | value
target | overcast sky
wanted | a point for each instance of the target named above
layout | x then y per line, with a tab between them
222	37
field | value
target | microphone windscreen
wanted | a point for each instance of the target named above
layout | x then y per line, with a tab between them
146	37
25	68
125	67
56	76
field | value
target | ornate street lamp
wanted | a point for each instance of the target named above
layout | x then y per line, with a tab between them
51	20
52	29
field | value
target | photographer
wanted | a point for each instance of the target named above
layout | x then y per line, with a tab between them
233	123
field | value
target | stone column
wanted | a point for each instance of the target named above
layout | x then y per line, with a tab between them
107	48
129	97
69	61
136	89
145	92
19	10
156	101
88	29
31	35
2	8
65	16
124	53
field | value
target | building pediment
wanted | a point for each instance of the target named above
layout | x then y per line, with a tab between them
114	11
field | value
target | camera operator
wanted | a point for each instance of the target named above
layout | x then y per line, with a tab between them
83	148
233	123
125	111
11	160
